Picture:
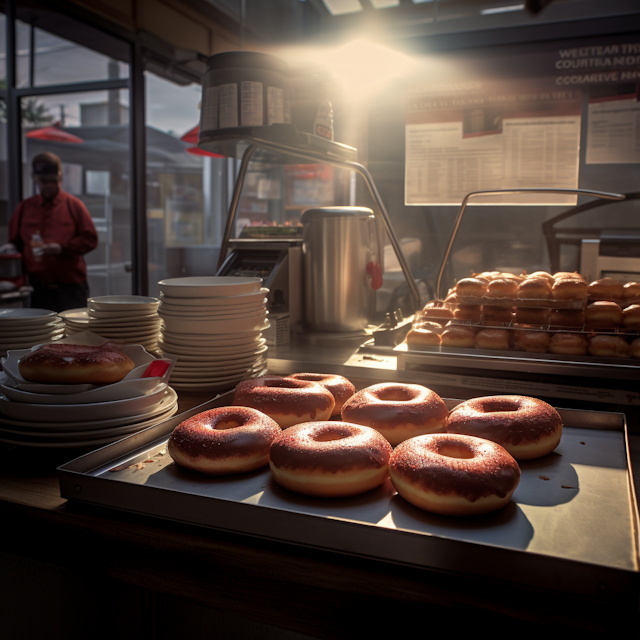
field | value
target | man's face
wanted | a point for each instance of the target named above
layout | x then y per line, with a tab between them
48	187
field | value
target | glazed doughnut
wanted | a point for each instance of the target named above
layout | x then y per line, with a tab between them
454	475
605	289
492	339
330	459
566	317
572	275
471	287
471	312
534	289
61	363
526	427
631	291
532	341
530	315
458	336
497	315
340	388
502	288
436	309
634	348
631	317
569	289
542	274
224	440
568	344
422	336
603	314
397	411
286	400
609	346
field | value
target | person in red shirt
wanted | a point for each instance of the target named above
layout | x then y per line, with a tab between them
53	231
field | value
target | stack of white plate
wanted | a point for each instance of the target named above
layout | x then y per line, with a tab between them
127	319
22	328
213	325
82	415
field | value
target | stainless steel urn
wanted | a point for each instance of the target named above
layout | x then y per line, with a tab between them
340	254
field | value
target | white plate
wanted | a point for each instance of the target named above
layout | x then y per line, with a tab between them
220	301
215	351
10	366
116	323
213	385
191	360
209	286
180	339
119	315
26	344
25	314
29	330
214	327
27	426
125	389
227	314
92	434
108	303
211	309
36	338
116	334
80	412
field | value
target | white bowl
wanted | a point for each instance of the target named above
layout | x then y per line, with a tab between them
209	286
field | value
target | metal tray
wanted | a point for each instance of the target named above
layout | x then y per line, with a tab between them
571	526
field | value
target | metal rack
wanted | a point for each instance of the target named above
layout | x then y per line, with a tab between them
295	145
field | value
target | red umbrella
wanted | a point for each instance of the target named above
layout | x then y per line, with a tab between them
191	135
197	151
54	133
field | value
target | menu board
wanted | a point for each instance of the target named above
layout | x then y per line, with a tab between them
461	139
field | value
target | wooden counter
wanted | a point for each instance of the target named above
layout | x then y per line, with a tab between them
69	570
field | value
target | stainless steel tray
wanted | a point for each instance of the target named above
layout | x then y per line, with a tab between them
571	526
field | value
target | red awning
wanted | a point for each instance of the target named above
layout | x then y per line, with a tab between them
197	151
54	133
191	136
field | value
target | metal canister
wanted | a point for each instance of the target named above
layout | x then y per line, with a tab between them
340	245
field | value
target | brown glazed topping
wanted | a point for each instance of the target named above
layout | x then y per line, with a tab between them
507	420
225	432
395	405
330	447
341	388
446	464
70	355
273	394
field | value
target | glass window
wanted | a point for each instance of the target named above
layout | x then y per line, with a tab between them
186	192
45	59
90	134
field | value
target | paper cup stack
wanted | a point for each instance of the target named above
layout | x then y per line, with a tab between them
213	326
125	319
23	328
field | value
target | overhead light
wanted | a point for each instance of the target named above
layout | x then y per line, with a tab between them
513	7
340	7
385	4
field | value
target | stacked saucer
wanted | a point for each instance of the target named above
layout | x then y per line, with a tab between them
83	415
126	319
22	328
212	325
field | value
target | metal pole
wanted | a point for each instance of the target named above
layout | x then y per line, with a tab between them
595	194
235	200
14	116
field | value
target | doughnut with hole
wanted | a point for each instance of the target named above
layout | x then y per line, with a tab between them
397	411
340	388
454	475
526	427
223	441
286	400
330	459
